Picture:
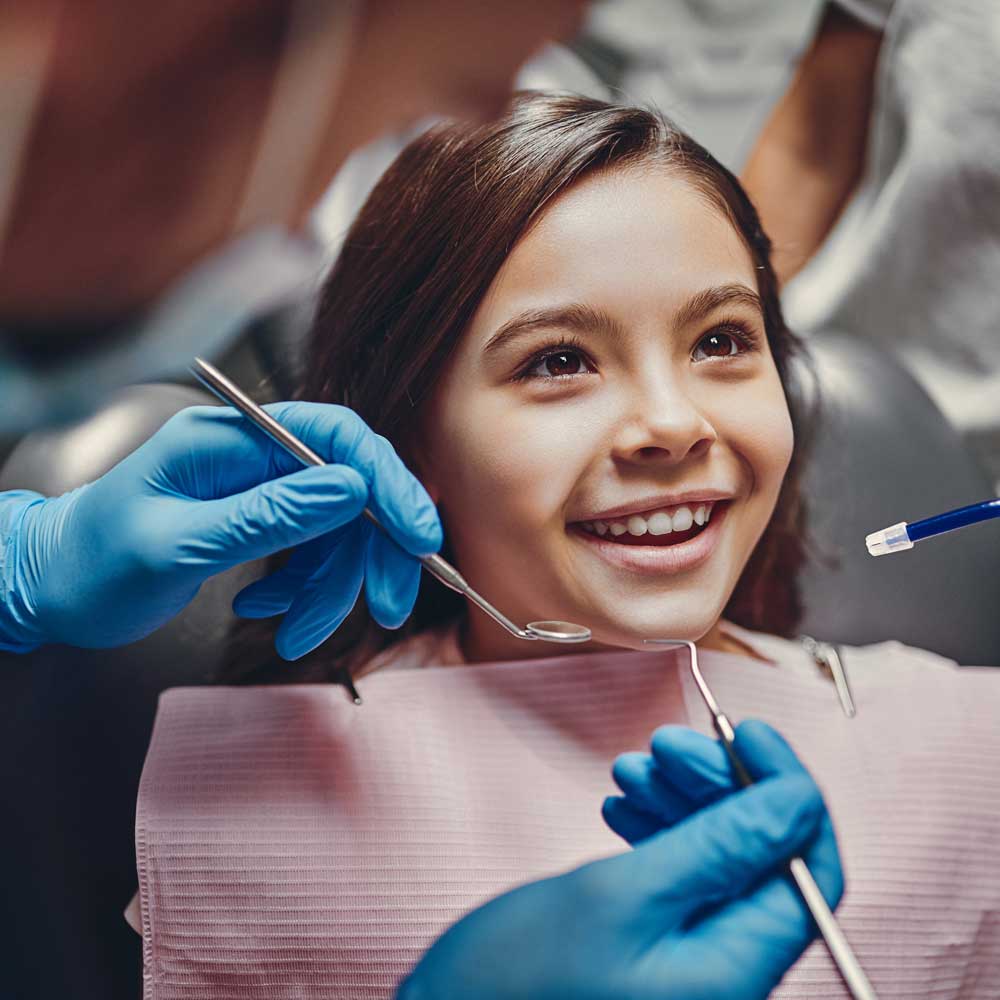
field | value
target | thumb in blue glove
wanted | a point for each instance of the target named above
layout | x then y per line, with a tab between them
697	909
114	560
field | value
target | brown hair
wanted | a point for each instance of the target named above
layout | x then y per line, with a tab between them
419	259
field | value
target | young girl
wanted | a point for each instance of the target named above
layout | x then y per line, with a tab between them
568	326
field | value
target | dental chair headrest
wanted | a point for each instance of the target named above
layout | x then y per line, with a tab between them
55	460
885	453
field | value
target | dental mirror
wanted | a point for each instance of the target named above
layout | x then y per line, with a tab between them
554	631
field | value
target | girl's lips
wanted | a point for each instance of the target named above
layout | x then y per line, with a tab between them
656	560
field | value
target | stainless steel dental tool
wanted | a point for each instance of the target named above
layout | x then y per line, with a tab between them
441	569
837	944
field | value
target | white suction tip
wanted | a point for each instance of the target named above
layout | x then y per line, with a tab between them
892	539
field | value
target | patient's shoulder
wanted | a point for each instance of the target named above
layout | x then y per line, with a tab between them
896	687
889	654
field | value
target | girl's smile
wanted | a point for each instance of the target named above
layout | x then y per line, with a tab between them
637	543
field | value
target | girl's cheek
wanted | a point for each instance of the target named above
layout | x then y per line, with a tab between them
530	463
764	434
519	466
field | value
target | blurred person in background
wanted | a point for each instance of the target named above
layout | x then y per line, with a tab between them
141	142
877	178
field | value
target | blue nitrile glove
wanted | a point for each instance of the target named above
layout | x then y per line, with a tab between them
113	560
688	771
699	910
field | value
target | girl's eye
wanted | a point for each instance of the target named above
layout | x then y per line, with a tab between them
557	364
719	344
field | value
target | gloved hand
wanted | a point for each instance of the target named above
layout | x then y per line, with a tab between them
700	909
688	771
113	560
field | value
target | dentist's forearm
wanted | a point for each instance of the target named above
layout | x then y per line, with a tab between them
810	154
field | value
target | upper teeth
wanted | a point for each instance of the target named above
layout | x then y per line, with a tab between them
660	522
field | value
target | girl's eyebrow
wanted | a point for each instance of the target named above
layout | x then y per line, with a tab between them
701	305
586	319
574	316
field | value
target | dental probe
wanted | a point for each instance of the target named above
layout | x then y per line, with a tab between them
227	391
899	537
836	941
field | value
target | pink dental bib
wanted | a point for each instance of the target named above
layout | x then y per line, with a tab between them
293	845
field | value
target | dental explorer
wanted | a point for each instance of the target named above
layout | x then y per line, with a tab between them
899	537
836	941
227	391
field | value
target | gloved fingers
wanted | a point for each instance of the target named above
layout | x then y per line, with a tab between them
688	770
698	767
209	452
631	824
695	766
327	598
392	579
273	594
725	848
396	496
271	517
641	780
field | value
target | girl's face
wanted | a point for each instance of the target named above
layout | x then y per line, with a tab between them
609	438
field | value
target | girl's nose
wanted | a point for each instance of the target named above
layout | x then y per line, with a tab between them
665	424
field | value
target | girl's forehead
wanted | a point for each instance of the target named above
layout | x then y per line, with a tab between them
621	239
